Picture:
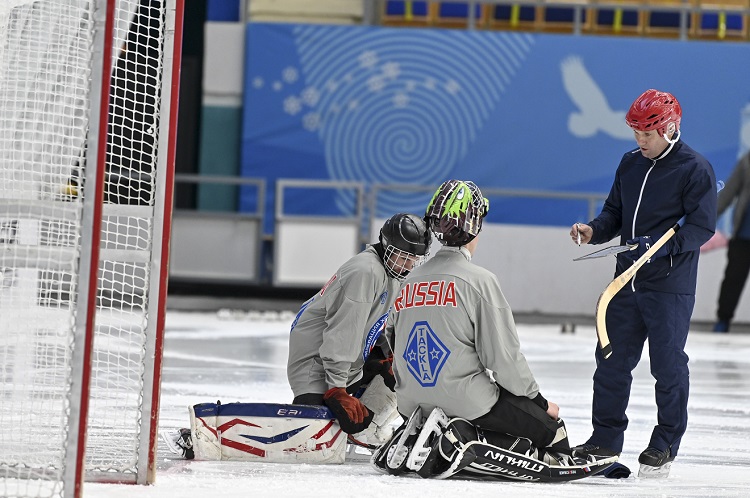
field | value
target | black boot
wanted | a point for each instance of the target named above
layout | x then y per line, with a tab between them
585	450
655	463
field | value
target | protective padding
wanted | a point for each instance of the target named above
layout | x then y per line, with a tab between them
381	401
398	449
433	428
266	432
487	454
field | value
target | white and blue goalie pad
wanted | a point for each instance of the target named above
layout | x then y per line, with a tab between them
266	432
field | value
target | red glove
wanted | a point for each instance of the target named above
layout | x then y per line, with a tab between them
352	415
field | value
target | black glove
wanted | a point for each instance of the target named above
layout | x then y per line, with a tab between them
381	366
352	415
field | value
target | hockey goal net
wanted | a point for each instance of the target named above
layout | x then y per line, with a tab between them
88	93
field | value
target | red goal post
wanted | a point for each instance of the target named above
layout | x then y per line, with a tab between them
88	120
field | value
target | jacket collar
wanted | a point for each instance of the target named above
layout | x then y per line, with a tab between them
462	250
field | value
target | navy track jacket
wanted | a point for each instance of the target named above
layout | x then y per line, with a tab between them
647	198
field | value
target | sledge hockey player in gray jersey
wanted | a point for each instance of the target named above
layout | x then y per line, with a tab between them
335	348
334	345
457	363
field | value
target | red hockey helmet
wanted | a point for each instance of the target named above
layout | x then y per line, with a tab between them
654	110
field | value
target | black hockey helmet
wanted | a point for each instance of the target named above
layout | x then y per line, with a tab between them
405	240
456	211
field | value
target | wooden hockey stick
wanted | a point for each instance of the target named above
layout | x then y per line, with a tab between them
617	284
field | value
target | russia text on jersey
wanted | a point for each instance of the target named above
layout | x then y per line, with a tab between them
434	293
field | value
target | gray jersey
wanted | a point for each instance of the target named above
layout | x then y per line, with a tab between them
335	330
451	324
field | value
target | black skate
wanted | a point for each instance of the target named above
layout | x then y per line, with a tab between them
655	463
598	452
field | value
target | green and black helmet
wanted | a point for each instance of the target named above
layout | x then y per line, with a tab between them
456	211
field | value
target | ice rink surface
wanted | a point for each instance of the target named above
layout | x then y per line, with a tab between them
237	356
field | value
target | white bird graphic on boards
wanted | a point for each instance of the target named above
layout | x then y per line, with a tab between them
594	113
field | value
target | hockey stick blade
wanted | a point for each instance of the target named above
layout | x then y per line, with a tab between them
617	284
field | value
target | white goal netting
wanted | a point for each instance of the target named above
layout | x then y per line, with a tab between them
64	148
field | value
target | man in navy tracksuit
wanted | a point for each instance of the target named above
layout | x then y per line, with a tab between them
655	185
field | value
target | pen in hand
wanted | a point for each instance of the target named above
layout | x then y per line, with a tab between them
578	236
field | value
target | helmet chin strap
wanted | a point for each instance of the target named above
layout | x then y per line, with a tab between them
671	144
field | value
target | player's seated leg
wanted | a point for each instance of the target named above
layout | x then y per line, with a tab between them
446	456
447	446
458	450
516	444
487	454
483	453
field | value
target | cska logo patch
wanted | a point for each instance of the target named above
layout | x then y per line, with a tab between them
425	355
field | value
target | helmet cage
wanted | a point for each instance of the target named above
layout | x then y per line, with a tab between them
655	111
405	240
456	211
398	263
